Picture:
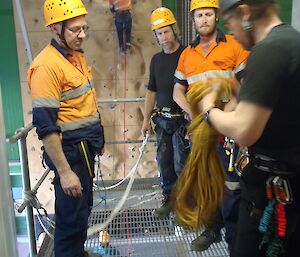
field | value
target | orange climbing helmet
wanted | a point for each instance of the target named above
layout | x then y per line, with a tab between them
58	10
196	4
162	17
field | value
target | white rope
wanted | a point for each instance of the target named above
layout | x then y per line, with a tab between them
97	228
117	184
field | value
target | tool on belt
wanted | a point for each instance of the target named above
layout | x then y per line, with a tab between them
273	222
229	147
242	161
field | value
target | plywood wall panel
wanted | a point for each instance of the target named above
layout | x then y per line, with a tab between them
114	77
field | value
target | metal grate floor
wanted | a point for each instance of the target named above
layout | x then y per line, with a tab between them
137	232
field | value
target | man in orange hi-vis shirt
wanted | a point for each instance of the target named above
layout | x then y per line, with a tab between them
211	55
123	22
67	120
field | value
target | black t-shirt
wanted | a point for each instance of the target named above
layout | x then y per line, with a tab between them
161	81
272	79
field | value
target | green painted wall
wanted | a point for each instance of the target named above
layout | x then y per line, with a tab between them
286	10
9	75
11	93
171	4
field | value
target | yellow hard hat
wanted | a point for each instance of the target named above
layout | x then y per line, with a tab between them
61	10
162	17
196	4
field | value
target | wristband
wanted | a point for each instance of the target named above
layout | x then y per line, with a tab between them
206	114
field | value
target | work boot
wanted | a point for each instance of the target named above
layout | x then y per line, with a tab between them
128	48
203	242
164	210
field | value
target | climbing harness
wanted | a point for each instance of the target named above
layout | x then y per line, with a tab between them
229	146
242	161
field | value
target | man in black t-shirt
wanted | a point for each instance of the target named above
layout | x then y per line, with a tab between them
170	129
265	120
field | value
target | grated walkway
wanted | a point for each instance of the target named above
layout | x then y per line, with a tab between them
137	232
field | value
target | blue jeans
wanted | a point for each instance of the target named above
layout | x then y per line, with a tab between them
71	215
123	22
172	149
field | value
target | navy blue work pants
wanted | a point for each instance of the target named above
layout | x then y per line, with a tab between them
123	22
227	216
172	149
72	214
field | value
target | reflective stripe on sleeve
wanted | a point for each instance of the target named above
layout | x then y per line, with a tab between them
232	185
45	102
240	68
180	75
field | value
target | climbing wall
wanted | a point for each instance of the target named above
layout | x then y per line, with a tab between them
115	76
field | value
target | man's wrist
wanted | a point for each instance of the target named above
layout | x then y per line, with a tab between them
205	115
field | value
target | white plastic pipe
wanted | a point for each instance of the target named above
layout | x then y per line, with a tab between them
295	14
24	30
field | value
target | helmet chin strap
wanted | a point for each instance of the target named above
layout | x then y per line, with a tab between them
247	26
61	35
175	34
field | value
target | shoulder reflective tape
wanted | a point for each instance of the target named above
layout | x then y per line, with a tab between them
70	94
45	102
180	75
80	123
240	68
210	75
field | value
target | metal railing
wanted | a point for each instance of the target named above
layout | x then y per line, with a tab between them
29	195
20	137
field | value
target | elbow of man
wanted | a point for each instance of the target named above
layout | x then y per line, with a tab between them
247	137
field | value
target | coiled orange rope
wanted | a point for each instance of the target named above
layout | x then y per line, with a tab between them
199	189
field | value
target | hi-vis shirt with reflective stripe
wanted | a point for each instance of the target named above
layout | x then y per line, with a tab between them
62	91
120	5
225	58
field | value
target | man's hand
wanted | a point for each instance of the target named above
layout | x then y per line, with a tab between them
210	98
70	184
208	101
102	151
146	128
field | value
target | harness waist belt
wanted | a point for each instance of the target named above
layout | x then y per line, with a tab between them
170	115
124	11
271	165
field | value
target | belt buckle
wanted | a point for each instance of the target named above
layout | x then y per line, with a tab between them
168	115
